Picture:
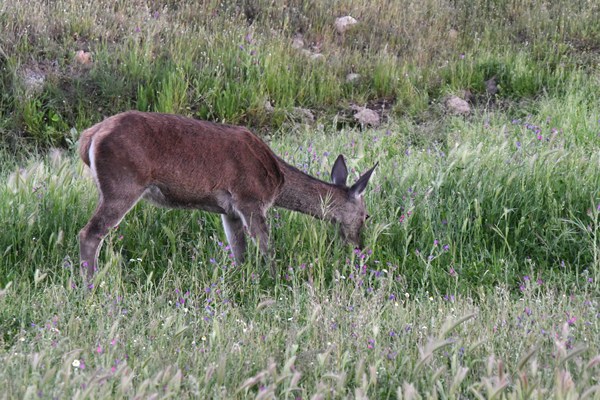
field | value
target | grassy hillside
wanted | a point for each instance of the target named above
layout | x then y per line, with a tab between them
224	60
481	274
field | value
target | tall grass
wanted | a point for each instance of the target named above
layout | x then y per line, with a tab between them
523	201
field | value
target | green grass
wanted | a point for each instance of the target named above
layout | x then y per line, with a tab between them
172	314
482	269
188	337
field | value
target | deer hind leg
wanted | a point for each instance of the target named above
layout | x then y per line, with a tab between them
108	214
236	237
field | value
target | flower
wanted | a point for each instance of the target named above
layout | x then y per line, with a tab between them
76	363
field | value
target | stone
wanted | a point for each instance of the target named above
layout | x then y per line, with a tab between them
268	107
342	24
453	34
33	80
491	86
352	77
83	57
457	106
298	41
366	116
303	114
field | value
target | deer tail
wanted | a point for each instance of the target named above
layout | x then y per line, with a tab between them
85	141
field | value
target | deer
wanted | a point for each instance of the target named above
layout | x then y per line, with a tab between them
175	161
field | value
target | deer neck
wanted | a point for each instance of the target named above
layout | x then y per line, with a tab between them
308	195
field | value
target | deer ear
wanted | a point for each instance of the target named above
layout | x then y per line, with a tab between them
339	172
361	184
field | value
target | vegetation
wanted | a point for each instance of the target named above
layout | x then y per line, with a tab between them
481	274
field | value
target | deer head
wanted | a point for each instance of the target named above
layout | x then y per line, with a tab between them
351	212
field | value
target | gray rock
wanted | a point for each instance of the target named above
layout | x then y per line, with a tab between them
303	114
366	116
491	86
268	107
342	24
298	41
452	34
457	106
317	56
33	80
352	77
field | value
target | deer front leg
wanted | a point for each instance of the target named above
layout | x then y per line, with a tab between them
259	230
236	237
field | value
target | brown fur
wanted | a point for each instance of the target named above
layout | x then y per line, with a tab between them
175	161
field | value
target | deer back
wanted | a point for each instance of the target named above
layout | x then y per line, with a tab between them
188	161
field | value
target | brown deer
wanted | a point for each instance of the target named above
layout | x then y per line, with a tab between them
179	162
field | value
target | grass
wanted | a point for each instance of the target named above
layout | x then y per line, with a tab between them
216	341
481	274
225	61
453	235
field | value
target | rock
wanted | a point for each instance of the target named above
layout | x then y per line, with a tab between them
491	86
268	107
298	41
367	116
453	34
352	77
457	106
311	55
303	114
33	80
83	57
342	24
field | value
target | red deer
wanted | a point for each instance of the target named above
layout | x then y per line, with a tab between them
179	162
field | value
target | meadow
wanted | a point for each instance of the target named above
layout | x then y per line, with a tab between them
480	276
